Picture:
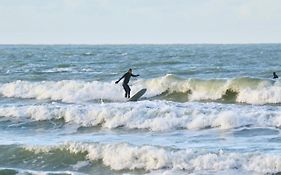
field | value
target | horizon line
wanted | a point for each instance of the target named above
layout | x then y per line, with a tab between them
211	43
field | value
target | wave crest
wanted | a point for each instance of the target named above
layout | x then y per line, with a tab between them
169	87
122	156
151	115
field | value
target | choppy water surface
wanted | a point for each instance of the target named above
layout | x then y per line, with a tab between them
209	109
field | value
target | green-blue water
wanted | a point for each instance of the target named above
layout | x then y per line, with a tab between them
208	109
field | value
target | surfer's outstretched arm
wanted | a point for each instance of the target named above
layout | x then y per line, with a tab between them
135	75
120	79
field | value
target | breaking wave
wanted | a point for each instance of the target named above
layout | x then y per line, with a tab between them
169	87
151	115
123	156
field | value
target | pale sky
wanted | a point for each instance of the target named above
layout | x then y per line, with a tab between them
139	21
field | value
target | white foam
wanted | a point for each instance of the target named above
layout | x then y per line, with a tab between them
66	90
249	90
80	164
152	115
262	95
60	69
123	156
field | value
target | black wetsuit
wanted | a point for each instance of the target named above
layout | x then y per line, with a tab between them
126	87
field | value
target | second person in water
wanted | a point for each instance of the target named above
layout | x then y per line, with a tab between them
275	75
127	77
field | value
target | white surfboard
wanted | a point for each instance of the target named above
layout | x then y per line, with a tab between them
137	95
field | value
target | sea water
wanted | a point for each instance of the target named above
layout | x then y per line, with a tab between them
208	109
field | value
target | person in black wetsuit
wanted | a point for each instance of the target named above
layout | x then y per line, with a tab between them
275	75
127	77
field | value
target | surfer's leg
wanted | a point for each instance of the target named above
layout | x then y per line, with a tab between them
126	93
129	90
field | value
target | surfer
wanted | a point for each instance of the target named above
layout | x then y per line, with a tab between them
274	75
125	85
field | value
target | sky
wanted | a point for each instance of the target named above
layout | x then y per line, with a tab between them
139	21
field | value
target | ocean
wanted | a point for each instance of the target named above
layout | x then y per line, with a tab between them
208	110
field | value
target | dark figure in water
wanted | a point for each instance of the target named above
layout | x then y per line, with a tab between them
274	75
127	77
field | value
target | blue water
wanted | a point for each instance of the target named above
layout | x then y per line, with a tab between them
208	109
105	62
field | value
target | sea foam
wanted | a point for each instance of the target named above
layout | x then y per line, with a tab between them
151	115
123	156
244	90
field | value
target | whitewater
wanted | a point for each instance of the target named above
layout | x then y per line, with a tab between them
208	109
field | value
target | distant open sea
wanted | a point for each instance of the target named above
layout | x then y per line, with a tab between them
208	109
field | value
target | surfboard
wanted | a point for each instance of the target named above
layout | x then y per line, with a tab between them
137	95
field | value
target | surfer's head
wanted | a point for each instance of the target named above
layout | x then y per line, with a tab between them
130	70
